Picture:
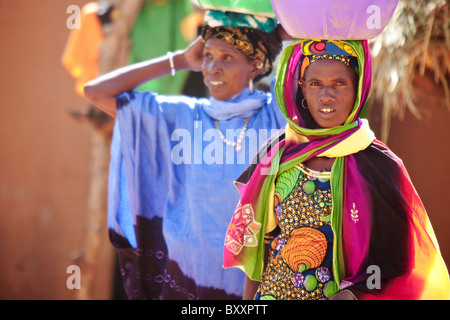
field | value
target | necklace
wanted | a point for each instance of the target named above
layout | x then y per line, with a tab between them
236	144
314	173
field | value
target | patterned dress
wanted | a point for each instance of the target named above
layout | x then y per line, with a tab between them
300	258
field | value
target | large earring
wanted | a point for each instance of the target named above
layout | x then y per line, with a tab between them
303	104
250	85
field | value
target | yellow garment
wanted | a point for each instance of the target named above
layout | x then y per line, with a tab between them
358	141
81	54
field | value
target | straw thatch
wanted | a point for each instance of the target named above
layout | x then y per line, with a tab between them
416	40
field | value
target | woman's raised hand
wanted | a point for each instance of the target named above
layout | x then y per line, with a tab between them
194	55
103	90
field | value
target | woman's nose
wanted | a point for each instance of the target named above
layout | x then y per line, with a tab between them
213	66
326	95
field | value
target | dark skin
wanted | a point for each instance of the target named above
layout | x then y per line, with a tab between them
217	60
213	58
329	87
226	71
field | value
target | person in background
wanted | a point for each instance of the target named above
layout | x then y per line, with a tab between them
175	158
330	212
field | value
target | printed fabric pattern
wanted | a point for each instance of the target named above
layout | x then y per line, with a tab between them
300	260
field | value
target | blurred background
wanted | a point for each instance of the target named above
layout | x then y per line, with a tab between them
54	146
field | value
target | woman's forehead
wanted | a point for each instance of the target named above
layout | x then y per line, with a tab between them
327	68
220	45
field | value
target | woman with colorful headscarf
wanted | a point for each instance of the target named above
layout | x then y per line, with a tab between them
329	212
175	158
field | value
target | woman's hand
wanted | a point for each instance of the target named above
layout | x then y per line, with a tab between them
193	55
250	288
103	90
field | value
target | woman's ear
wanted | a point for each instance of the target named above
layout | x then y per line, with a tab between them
302	85
257	68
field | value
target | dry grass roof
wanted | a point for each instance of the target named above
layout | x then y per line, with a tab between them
417	39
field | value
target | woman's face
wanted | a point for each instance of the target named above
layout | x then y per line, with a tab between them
329	87
226	70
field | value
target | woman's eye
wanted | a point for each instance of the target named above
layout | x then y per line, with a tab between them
314	84
227	57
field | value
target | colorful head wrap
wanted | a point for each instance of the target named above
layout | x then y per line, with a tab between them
335	50
298	56
216	18
377	216
254	36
